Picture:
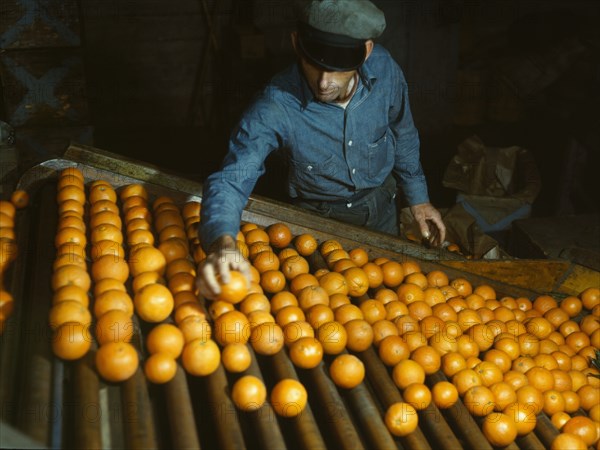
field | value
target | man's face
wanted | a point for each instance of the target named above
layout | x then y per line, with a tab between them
327	87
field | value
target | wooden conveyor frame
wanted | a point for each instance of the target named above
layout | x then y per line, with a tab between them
28	392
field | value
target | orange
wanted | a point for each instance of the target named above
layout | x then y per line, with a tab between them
462	286
382	329
272	281
373	310
312	295
306	352
553	402
113	299
374	274
401	419
345	313
282	299
297	330
499	429
153	303
408	293
523	415
347	371
465	379
289	313
452	363
267	338
235	290
486	291
165	338
583	427
236	357
106	231
559	418
334	283
279	234
201	357
357	281
571	305
319	314
71	340
428	358
70	274
395	309
590	298
504	395
109	266
106	285
70	235
305	244
437	278
360	335
114	326
418	395
103	205
67	311
444	394
393	349
393	273
191	209
359	256
590	323
107	247
589	396
231	327
174	248
406	324
145	278
333	337
160	368
531	396
288	397
407	372
195	327
489	372
19	198
301	281
249	393
479	400
116	361
540	378
385	295
568	441
256	235
294	266
71	292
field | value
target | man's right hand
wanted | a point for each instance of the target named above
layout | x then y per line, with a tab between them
223	256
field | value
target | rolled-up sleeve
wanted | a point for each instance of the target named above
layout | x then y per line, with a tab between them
225	192
407	165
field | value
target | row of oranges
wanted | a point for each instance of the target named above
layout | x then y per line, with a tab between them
515	356
19	199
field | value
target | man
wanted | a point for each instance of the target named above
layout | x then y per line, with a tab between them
342	117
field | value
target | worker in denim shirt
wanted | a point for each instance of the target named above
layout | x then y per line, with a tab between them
341	115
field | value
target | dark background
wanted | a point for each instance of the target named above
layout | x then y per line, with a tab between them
165	81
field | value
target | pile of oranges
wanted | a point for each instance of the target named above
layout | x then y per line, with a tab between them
507	359
8	247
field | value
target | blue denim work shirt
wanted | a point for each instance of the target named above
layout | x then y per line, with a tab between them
332	151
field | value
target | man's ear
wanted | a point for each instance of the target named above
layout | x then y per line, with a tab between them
294	37
369	46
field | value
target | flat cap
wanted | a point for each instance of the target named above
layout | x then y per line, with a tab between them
332	33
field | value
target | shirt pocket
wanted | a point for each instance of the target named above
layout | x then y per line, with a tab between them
311	175
379	157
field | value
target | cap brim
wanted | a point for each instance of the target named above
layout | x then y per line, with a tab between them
333	58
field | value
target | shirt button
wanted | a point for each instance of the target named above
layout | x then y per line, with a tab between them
353	171
349	205
350	143
309	167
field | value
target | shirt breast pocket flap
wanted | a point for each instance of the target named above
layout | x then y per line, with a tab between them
311	171
378	155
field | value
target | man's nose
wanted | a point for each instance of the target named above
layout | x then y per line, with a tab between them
324	78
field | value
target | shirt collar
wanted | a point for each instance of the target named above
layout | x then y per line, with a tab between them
365	75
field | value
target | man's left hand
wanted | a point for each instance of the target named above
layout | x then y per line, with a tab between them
430	223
